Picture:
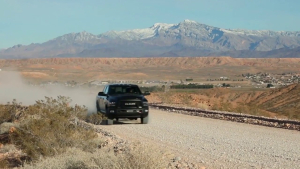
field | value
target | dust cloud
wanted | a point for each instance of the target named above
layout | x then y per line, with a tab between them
13	86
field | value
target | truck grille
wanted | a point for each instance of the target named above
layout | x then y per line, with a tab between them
130	104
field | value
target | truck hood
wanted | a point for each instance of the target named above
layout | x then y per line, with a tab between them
127	97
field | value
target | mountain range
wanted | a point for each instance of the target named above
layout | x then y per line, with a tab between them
187	38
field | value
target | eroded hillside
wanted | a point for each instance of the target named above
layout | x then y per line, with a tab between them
148	68
282	102
153	61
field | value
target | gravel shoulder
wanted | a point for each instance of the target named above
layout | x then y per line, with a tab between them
215	143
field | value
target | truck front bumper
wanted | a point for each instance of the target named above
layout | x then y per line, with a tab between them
127	113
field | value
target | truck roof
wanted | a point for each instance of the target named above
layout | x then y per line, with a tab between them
121	84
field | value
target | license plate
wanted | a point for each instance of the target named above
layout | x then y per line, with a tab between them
129	104
129	111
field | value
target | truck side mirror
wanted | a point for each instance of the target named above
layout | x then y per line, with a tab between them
101	94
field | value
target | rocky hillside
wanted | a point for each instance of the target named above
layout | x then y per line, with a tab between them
281	103
187	38
284	101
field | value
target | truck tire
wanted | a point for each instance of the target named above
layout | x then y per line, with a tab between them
97	106
145	120
109	121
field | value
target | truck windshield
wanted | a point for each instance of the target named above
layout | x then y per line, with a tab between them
123	90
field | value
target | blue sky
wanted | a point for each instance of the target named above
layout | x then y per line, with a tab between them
36	21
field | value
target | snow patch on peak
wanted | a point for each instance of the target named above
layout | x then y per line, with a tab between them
189	21
134	34
260	33
162	25
137	34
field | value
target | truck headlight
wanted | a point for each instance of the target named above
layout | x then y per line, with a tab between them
145	104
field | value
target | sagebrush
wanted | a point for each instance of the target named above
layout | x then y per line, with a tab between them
45	128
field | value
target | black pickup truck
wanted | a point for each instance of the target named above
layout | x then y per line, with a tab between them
123	101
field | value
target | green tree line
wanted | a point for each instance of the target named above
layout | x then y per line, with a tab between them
191	86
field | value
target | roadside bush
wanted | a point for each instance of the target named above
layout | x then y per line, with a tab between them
4	163
135	157
47	130
11	111
5	115
95	118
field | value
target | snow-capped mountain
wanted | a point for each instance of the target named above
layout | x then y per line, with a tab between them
194	34
77	37
138	34
187	38
160	29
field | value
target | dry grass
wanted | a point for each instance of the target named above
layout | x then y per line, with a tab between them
8	148
44	129
4	163
95	118
135	157
47	130
10	112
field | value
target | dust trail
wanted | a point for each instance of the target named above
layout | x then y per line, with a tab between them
13	86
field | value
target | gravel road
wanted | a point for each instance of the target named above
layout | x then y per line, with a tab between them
215	143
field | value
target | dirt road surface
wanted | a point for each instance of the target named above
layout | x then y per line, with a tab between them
215	143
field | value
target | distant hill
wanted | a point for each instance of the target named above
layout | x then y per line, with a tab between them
187	38
277	53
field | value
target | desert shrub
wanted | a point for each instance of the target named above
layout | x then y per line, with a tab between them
5	115
76	165
47	130
95	118
11	111
135	157
4	163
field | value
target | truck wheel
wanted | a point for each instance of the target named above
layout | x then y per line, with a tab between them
97	106
145	120
109	121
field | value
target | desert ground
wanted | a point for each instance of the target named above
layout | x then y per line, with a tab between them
246	99
200	68
191	142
